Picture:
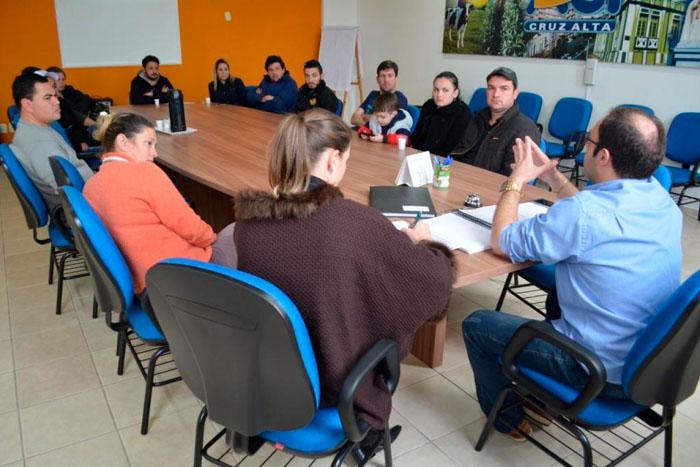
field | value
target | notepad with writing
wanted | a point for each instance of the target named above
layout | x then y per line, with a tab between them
401	201
470	229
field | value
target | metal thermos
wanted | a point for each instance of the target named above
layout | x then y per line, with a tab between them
177	111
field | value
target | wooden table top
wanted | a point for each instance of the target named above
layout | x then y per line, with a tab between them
228	153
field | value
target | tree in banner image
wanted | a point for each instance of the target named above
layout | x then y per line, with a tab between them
490	29
512	33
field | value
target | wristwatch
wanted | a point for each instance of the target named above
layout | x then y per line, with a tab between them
510	185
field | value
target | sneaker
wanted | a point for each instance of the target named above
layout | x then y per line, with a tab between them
518	437
372	444
536	414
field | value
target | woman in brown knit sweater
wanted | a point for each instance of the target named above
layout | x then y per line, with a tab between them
353	276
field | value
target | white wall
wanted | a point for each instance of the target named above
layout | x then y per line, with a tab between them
410	32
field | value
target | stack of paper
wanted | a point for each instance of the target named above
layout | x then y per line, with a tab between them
470	229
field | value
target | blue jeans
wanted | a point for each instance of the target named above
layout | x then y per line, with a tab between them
486	335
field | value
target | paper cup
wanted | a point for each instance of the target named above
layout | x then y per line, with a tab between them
159	125
166	124
156	102
207	101
401	142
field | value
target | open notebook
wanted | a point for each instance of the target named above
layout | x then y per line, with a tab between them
470	229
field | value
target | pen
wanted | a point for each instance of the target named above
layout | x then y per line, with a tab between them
418	216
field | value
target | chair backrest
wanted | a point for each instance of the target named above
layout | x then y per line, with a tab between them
663	175
339	108
35	211
478	100
239	343
682	145
415	115
61	131
570	114
663	365
643	108
13	115
530	104
65	173
114	285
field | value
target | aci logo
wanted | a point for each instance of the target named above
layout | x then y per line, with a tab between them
571	16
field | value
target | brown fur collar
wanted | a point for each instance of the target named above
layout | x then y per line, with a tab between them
262	205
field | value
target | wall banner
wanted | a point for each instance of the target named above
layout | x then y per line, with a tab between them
649	32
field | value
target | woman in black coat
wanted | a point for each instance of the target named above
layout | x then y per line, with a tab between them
226	89
443	118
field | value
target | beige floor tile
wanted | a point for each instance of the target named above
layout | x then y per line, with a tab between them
125	400
41	296
169	442
56	379
14	464
455	352
23	244
65	421
103	451
10	439
37	320
499	450
414	371
436	406
8	400
27	277
428	455
4	325
6	362
44	347
409	439
27	261
460	307
462	376
180	396
83	287
97	334
106	364
686	432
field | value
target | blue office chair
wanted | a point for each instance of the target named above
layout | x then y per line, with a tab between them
13	115
222	323
65	173
662	367
114	288
415	115
682	147
530	105
62	254
569	119
540	277
643	108
339	108
478	100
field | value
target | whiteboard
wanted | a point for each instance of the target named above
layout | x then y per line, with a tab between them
96	33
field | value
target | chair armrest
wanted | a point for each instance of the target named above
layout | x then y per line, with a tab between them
573	144
541	330
383	357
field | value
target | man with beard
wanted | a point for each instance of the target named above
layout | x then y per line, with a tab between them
149	84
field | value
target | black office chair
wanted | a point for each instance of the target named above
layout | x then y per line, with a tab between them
662	367
243	349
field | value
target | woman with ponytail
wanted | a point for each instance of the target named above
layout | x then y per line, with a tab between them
353	276
143	211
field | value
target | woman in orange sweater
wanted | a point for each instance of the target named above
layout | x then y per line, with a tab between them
143	211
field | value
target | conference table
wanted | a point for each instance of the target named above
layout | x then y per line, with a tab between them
227	153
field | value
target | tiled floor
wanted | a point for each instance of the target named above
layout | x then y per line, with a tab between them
62	403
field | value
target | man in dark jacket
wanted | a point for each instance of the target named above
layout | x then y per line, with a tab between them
75	109
277	92
149	84
489	138
315	93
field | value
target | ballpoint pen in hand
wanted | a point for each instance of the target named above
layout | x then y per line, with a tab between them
418	216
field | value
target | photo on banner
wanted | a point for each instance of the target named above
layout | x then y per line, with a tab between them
644	32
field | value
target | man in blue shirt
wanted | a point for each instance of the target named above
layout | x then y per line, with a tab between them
616	246
387	75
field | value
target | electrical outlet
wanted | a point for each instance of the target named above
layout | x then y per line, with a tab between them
227	16
3	128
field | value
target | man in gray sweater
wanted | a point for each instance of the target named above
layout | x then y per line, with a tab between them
35	140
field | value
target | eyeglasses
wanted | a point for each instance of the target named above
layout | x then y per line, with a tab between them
587	137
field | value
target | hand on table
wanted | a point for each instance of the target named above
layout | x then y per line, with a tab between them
419	232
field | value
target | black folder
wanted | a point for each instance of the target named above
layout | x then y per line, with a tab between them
401	201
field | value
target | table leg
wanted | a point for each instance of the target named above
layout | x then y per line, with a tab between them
429	343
